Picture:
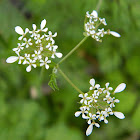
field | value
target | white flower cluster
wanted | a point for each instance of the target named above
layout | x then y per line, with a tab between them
35	47
92	22
98	104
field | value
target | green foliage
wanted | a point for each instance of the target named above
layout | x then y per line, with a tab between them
115	60
53	83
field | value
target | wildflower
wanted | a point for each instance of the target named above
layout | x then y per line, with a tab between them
98	104
35	48
92	23
83	112
85	98
31	63
93	86
45	63
20	31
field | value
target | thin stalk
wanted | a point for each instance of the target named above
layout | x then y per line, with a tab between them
76	47
69	81
41	74
98	5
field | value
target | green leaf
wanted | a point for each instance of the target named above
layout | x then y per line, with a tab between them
53	83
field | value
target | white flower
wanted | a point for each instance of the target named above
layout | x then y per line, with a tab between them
31	63
83	112
92	82
50	46
92	26
37	55
85	98
93	98
33	32
119	115
103	21
59	55
20	31
50	36
42	63
107	89
18	49
120	87
94	14
108	99
27	42
91	117
100	115
26	58
115	34
37	38
114	101
90	128
42	25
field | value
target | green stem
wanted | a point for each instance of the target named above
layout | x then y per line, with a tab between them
98	5
41	74
76	47
69	81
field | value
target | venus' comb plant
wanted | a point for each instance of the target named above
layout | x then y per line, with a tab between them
98	103
36	48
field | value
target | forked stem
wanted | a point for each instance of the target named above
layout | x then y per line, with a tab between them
76	47
69	81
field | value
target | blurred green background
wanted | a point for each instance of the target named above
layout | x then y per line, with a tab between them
27	115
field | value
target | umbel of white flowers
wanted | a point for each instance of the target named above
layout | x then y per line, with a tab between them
35	48
98	104
92	23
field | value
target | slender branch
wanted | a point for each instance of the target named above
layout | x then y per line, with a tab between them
69	81
76	47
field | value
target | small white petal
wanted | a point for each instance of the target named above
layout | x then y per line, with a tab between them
59	55
45	30
105	121
92	82
20	37
89	129
120	87
97	86
119	115
43	23
26	30
11	59
47	66
115	34
116	101
84	116
97	125
81	95
34	27
94	13
107	84
55	34
77	114
28	69
49	61
91	88
19	30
